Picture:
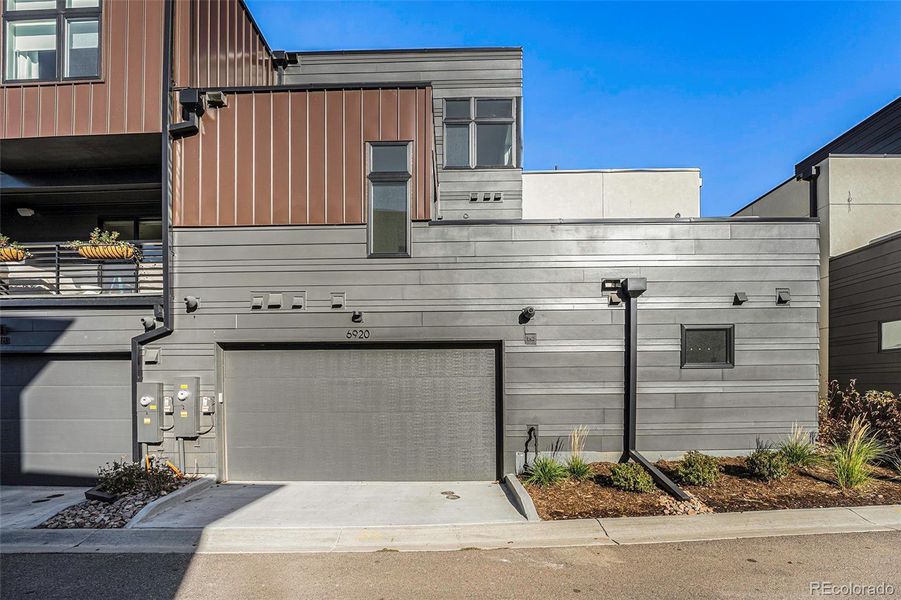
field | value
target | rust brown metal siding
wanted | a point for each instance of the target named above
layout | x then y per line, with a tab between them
297	157
216	44
125	100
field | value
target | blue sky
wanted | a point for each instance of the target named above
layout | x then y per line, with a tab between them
741	90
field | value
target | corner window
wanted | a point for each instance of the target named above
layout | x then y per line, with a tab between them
479	133
890	336
50	40
708	346
389	177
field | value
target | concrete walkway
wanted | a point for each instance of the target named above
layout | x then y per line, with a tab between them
24	507
312	505
582	532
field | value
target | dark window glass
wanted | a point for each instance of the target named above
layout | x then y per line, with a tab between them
890	335
488	109
125	227
83	48
389	217
456	109
707	347
389	159
494	144
456	145
150	229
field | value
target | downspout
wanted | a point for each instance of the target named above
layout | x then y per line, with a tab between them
810	176
164	312
631	289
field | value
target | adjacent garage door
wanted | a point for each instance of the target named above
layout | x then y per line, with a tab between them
360	414
63	416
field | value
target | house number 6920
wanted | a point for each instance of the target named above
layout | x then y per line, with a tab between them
357	334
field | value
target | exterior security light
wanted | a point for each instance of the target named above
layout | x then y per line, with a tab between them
739	298
527	314
25	212
357	317
148	323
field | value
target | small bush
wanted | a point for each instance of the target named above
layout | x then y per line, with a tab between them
881	410
631	477
131	477
545	471
577	468
699	469
851	459
799	448
767	464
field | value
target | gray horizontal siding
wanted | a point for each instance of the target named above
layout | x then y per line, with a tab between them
88	329
469	282
452	74
865	289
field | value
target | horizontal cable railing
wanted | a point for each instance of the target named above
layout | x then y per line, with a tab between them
54	270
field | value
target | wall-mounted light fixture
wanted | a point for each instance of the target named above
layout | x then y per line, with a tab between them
783	296
357	316
149	323
216	99
25	211
526	315
191	303
739	298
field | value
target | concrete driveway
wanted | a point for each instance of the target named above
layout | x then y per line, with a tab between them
26	506
339	504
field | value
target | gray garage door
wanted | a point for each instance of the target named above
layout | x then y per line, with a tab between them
62	416
360	414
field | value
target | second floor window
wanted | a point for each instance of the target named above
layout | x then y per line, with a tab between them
51	40
479	133
389	199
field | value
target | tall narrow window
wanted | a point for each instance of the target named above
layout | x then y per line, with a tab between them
47	40
389	199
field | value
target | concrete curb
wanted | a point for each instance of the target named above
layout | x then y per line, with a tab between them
164	502
520	497
525	534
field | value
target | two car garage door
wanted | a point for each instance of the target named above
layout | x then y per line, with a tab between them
379	414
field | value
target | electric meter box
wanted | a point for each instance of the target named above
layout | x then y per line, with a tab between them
187	407
150	413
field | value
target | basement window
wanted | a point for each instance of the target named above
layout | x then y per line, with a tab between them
389	199
51	40
890	336
708	346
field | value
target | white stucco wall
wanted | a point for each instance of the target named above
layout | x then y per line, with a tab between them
611	194
791	198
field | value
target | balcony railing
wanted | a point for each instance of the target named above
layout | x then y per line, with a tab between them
54	270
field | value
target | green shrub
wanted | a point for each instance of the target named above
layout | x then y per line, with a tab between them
699	469
631	477
131	477
852	458
799	448
545	471
577	468
767	464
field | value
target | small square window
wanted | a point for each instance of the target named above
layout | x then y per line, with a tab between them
494	109
456	109
389	159
890	336
31	49
708	346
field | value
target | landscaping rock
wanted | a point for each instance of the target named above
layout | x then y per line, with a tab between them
93	514
694	506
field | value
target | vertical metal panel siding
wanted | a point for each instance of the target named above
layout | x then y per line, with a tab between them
297	157
216	44
125	100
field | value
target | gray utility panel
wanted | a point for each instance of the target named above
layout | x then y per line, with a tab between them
377	414
63	416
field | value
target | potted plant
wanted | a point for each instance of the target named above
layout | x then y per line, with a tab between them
105	245
12	251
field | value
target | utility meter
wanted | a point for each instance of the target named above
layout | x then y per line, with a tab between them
150	413
187	407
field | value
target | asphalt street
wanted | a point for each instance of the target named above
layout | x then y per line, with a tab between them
781	567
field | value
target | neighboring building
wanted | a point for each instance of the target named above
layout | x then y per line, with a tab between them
853	185
337	250
611	194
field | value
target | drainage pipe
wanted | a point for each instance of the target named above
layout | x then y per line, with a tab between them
631	289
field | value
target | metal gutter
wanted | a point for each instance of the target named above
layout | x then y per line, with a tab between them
662	220
631	289
318	86
457	49
164	311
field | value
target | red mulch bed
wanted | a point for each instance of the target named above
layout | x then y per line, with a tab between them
735	491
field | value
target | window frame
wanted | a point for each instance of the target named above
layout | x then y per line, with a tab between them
473	121
730	347
61	15
136	224
404	177
879	347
